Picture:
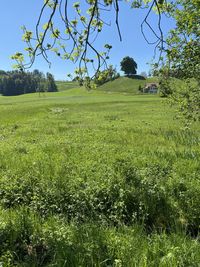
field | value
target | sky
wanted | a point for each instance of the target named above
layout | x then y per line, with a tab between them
14	14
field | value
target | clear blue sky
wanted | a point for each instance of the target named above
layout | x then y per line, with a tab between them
14	14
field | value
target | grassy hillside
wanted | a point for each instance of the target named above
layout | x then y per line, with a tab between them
125	85
96	179
122	84
65	85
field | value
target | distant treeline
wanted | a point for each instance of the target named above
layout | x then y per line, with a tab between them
17	82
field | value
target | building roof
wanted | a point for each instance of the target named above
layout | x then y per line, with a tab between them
151	84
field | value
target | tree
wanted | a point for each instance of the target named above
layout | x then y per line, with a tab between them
183	42
165	87
17	82
140	88
51	85
107	75
128	65
183	58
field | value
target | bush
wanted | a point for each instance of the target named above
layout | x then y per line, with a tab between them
165	87
105	76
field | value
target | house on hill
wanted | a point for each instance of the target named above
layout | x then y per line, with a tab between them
151	88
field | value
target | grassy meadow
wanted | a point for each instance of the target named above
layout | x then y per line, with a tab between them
96	178
126	85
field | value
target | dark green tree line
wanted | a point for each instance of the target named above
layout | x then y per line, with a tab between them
17	82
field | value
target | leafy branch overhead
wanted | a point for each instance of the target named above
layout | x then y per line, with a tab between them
80	23
182	59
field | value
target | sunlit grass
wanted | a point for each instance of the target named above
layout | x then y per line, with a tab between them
97	179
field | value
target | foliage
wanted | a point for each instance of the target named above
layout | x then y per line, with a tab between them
75	37
183	49
52	242
51	85
183	54
186	96
110	74
17	83
165	87
128	65
2	73
79	29
165	82
140	88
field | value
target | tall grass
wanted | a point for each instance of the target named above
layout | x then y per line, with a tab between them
96	179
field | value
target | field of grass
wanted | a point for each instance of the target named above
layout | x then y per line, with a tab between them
120	85
125	85
65	85
97	179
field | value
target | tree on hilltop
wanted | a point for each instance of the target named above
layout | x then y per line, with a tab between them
129	66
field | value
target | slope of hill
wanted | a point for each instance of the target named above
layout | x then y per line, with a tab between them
125	84
120	85
65	85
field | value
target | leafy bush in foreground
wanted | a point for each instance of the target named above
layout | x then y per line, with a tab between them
27	240
120	195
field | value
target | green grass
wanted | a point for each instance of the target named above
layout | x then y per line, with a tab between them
97	179
125	85
120	85
65	85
